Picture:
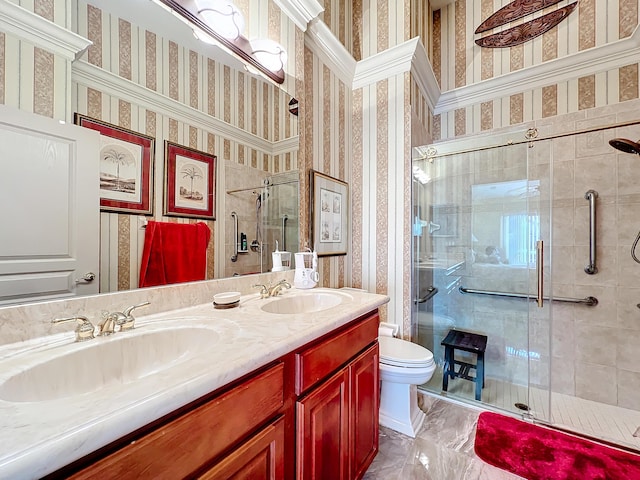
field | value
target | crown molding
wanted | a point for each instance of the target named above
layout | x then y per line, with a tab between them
389	63
40	32
89	75
587	62
423	75
321	41
288	145
301	12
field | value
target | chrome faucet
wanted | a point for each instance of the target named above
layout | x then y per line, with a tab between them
271	290
129	322
108	324
85	329
264	291
125	319
275	290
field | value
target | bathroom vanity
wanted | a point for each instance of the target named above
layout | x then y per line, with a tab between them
260	403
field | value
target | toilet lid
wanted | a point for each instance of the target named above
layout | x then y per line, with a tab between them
394	351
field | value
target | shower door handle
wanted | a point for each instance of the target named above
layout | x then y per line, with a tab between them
540	272
591	196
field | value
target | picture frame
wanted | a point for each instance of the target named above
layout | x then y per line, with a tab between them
126	167
329	214
190	182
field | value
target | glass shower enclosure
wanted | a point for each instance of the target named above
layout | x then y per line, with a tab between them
481	229
527	240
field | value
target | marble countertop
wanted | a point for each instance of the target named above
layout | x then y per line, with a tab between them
39	437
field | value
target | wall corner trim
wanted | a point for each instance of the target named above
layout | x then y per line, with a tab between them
41	32
329	49
301	12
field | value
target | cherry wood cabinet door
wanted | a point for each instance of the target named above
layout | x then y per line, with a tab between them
364	410
323	431
260	458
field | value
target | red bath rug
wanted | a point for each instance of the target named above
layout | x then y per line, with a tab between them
539	453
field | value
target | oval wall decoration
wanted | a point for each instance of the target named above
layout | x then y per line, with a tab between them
513	11
527	31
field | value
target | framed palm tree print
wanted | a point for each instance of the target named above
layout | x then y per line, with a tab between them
190	179
126	167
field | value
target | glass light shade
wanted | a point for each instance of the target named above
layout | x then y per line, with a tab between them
270	54
222	16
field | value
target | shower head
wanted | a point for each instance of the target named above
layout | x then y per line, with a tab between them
625	145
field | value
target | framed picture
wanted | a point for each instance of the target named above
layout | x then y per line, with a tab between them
126	167
190	182
329	204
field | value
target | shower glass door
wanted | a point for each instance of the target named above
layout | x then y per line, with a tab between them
478	214
280	217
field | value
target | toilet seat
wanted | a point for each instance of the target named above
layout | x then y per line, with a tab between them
400	353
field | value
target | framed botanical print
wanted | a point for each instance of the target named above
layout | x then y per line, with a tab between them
190	181
126	167
329	214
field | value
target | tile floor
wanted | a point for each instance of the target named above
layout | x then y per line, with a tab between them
608	422
442	450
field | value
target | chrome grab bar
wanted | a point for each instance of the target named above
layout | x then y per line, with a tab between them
284	232
234	257
591	195
540	271
588	301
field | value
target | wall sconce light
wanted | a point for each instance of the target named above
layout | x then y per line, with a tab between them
220	21
293	107
222	16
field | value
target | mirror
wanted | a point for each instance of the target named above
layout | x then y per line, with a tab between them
256	143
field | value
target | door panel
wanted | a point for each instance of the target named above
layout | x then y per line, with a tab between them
50	208
323	431
365	409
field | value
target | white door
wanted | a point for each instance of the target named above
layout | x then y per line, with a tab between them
49	208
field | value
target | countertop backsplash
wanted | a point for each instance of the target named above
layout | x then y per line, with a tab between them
33	320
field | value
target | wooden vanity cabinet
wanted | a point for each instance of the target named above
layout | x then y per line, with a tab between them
337	418
313	414
188	444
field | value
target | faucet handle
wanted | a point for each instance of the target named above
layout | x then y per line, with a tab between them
126	321
264	290
85	329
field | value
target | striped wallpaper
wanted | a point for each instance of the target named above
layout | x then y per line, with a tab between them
363	136
459	62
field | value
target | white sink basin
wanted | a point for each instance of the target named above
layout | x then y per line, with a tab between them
119	359
305	302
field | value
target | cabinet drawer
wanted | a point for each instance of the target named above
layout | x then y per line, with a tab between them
180	447
323	358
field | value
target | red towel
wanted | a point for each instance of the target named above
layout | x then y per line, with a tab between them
174	253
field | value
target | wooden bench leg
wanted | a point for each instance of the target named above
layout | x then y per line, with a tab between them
448	366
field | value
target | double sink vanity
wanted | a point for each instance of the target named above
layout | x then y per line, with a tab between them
200	392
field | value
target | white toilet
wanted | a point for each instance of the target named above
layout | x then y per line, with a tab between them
403	366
